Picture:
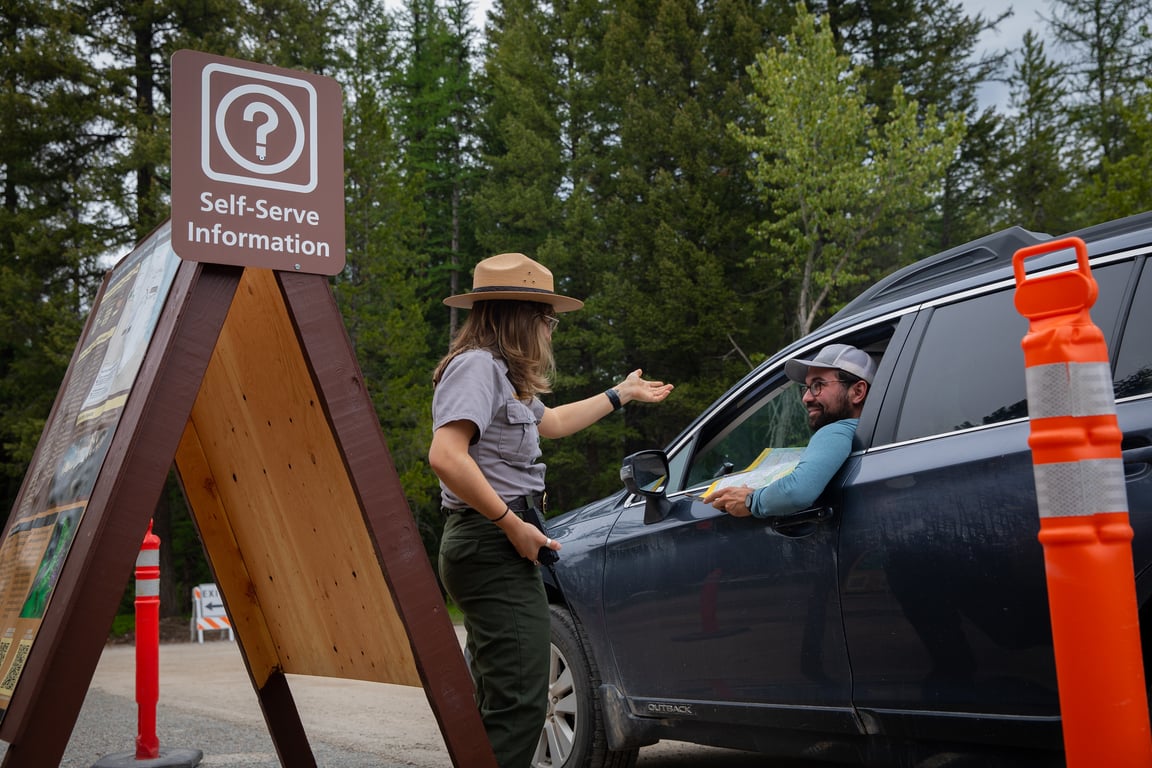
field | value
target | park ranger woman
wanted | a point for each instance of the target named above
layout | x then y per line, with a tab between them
487	421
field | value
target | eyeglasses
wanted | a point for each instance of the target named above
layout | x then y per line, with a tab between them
551	320
817	386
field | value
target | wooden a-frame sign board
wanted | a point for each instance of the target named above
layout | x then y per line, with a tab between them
246	379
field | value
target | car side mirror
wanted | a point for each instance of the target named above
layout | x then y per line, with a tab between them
646	474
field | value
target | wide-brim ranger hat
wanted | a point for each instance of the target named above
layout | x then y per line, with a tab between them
842	356
514	277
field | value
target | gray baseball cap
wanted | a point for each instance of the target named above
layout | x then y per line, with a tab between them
843	356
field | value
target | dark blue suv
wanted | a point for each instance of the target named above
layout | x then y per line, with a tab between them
903	619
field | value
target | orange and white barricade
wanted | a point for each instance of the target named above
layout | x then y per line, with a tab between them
208	613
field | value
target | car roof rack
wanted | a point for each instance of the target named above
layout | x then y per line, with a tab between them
986	254
1136	223
973	258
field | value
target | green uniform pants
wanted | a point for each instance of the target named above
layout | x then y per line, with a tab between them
506	616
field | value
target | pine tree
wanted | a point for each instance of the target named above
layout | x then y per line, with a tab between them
537	136
49	245
435	103
610	162
297	34
929	48
837	181
379	291
1109	51
1037	189
517	203
676	198
1124	186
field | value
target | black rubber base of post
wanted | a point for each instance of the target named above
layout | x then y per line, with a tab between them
169	758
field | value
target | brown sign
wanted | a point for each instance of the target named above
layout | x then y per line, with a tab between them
257	165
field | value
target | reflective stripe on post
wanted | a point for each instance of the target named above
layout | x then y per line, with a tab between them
1083	505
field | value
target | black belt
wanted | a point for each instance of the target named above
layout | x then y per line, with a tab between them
519	505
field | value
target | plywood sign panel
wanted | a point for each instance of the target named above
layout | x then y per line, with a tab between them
287	503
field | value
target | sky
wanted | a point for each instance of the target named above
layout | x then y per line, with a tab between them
1026	14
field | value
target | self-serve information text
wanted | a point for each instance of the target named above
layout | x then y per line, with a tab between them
241	207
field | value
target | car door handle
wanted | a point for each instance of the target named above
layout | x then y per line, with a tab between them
1141	455
1134	457
812	515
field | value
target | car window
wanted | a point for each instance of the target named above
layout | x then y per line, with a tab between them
772	417
969	368
1134	363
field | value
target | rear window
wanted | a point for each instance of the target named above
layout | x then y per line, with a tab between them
969	369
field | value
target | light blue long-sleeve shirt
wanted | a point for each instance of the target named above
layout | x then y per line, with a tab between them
821	460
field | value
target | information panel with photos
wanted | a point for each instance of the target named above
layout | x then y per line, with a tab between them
72	449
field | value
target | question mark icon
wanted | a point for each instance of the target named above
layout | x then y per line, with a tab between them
261	109
271	120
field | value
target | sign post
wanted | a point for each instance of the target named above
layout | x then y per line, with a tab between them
257	165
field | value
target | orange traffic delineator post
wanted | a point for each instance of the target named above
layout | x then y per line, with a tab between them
148	753
147	646
1084	529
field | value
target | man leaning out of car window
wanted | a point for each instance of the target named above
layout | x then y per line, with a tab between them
834	385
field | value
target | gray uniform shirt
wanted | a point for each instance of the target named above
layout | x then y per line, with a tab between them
475	387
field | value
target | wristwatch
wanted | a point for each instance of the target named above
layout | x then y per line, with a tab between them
748	500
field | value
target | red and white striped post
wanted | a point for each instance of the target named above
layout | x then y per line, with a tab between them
148	752
148	645
1083	505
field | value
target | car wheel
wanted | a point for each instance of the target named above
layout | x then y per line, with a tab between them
573	735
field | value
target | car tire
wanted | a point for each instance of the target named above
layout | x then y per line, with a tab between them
573	734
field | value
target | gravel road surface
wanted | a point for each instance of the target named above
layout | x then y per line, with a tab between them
207	704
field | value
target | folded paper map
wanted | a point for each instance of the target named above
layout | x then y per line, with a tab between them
771	465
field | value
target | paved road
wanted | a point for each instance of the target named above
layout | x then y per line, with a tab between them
207	704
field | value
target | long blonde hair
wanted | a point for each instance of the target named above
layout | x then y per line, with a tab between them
514	332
